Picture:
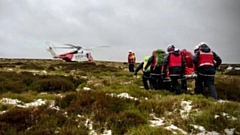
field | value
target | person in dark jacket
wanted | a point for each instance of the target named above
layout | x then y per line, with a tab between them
206	61
152	63
146	74
176	66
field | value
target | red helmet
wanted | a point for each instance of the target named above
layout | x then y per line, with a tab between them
170	48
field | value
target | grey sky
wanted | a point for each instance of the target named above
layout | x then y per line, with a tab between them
139	25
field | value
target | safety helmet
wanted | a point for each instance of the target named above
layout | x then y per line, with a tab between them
176	49
202	43
170	48
130	51
196	47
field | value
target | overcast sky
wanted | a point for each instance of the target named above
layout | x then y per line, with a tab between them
139	25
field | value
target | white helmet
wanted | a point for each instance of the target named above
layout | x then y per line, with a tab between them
176	49
202	43
130	51
196	47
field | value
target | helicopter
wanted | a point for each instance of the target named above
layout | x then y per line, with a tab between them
78	53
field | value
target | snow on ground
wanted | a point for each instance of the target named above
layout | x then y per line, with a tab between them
86	88
186	105
174	128
19	103
155	122
122	95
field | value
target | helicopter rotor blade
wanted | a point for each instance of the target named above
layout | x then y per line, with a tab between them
74	46
64	47
90	48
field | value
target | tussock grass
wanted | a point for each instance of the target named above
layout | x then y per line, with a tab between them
104	107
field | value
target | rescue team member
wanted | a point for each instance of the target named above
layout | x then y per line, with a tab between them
189	66
152	62
206	61
146	75
176	66
131	61
170	49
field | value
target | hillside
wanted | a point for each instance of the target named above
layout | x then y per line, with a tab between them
102	98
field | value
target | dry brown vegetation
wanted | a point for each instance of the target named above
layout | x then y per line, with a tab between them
73	108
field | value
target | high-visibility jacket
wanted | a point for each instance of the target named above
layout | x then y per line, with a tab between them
175	60
145	61
205	59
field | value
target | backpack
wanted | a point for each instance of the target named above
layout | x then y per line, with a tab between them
160	54
188	57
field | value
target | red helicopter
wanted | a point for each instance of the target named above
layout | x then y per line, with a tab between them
78	53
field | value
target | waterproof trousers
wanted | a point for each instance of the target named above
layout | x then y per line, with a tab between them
207	81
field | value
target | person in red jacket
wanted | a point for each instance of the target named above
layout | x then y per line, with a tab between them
131	61
176	66
206	61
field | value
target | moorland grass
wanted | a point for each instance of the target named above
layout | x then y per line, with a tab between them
103	106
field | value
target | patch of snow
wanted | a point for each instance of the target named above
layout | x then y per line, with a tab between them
122	95
2	112
186	105
222	101
229	131
208	133
92	132
172	127
107	132
126	95
86	88
237	68
201	128
44	71
83	77
38	102
156	122
19	103
216	116
89	124
226	115
229	68
10	101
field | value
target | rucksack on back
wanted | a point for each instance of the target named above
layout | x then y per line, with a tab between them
188	57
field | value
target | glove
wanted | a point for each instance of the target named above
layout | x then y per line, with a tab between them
135	74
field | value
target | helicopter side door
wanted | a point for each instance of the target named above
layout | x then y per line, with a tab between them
79	57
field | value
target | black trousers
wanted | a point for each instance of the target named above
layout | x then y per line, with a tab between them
131	67
205	81
157	81
175	85
146	80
